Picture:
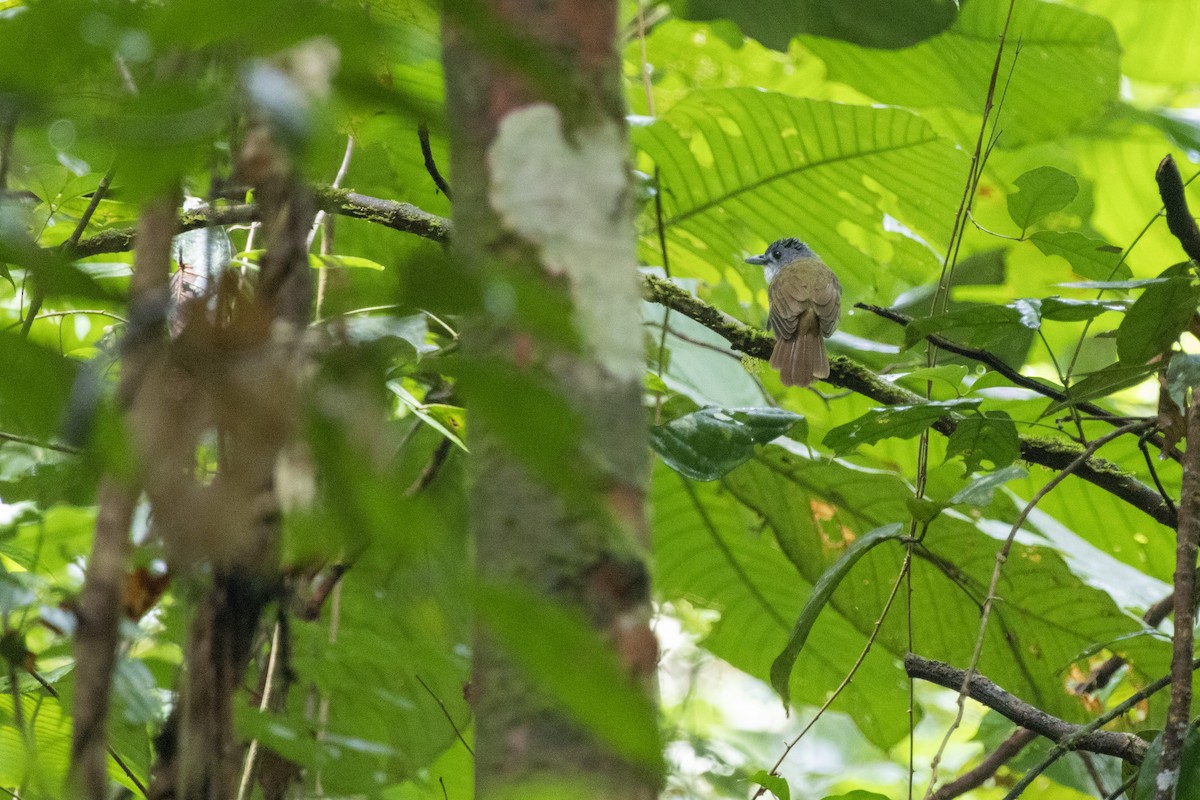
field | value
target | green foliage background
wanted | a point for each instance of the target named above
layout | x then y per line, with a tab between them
861	151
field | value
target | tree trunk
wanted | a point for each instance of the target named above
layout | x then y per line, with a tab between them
543	223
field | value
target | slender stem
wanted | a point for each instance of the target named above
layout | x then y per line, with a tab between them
1001	558
904	571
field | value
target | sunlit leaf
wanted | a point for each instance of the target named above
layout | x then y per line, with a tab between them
1089	258
903	422
1040	192
1158	317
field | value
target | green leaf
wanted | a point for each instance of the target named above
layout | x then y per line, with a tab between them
450	421
991	436
1182	374
1089	258
1040	192
949	374
542	637
903	422
1104	382
736	164
1079	50
823	589
35	389
1062	309
774	784
870	23
979	325
924	510
711	442
857	794
1158	317
980	490
340	261
1138	283
1166	53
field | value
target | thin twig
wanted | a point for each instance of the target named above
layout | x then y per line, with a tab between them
446	713
61	448
724	351
430	164
264	703
904	570
1001	557
985	769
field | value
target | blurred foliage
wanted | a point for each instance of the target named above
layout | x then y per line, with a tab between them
819	120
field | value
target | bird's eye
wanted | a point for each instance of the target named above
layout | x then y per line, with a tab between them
775	254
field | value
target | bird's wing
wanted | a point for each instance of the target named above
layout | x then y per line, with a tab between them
827	302
786	301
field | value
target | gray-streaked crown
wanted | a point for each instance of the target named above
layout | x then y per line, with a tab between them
779	254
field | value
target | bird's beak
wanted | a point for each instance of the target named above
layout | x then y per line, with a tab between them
757	261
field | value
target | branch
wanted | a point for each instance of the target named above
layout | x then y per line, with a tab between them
1179	218
403	217
846	373
1108	716
984	770
1125	746
1180	707
997	365
430	164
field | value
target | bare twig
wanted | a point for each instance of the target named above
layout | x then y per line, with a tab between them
446	713
985	769
36	298
430	164
263	704
1125	746
61	448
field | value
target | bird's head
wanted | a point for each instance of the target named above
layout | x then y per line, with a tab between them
780	254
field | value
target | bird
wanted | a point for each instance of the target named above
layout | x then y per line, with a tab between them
805	305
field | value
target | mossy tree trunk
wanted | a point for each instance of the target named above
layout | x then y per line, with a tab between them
543	226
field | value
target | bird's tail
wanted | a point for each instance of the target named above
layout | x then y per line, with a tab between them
800	360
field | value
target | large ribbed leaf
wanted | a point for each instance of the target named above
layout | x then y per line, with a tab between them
740	168
1055	605
1067	71
1170	25
871	23
709	551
